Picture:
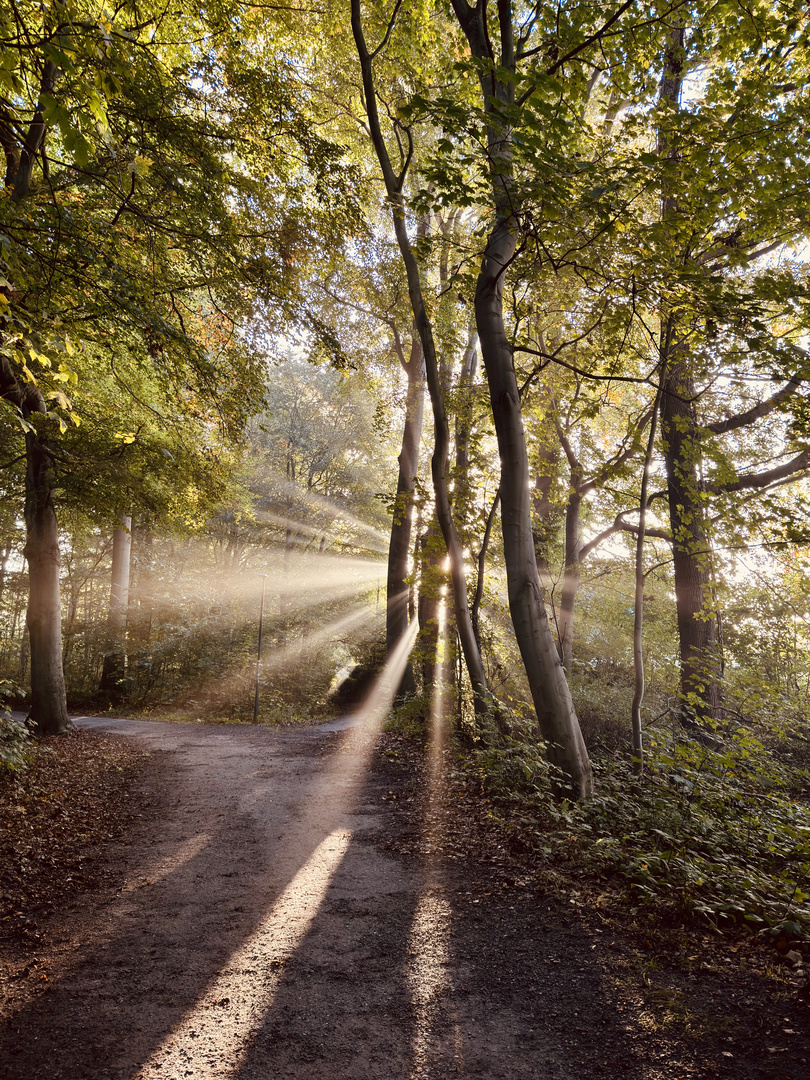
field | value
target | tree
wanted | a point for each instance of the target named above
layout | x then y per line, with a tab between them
394	186
131	170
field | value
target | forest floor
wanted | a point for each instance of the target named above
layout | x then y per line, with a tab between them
193	900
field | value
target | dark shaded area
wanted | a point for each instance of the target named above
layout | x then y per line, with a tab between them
498	980
357	685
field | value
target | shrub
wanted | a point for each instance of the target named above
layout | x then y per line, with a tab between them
705	833
16	737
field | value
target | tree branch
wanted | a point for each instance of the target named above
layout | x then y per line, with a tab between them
750	416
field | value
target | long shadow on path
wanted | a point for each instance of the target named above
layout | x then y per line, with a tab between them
246	810
265	932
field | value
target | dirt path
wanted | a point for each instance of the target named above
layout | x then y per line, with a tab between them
262	930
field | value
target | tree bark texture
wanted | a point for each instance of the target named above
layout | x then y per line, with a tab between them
399	549
44	620
114	667
691	551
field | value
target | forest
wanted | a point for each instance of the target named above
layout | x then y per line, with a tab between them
470	334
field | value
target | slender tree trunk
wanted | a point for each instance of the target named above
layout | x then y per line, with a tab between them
545	522
25	652
4	554
441	451
638	607
399	550
553	705
431	580
465	398
481	564
552	698
113	671
69	626
571	578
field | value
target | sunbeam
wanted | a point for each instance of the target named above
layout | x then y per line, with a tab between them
162	867
362	622
313	499
208	1044
308	572
373	710
279	657
249	980
428	978
428	982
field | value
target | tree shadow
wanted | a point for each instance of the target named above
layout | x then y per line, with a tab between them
436	976
240	824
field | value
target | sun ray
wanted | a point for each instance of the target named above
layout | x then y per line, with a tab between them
202	1046
250	978
429	940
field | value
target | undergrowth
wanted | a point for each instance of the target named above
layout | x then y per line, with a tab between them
16	737
721	834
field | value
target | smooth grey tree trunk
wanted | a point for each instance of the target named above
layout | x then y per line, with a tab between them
551	696
114	668
399	549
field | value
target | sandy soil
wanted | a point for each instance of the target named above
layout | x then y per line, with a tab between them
286	908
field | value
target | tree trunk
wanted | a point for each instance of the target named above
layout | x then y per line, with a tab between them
4	554
571	578
549	689
44	620
431	580
422	322
682	452
691	553
545	518
396	616
638	606
25	652
465	399
113	672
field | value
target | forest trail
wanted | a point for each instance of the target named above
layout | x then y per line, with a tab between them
262	929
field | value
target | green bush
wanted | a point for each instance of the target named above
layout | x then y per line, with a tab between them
16	738
712	834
